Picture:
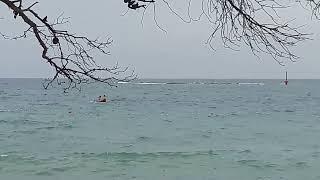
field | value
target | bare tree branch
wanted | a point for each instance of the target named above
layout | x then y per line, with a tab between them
70	55
314	5
136	4
255	23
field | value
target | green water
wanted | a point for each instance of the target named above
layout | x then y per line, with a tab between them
161	129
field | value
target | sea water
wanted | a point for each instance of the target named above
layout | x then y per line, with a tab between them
161	130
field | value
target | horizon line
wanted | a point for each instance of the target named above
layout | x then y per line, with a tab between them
183	78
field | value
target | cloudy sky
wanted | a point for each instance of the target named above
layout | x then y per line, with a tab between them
179	53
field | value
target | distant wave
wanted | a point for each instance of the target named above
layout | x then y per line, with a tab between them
182	83
4	110
46	104
193	83
251	83
122	82
134	155
160	154
177	83
118	156
150	83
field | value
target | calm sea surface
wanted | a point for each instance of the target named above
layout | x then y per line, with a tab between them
161	130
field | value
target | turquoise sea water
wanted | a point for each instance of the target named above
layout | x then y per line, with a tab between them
161	130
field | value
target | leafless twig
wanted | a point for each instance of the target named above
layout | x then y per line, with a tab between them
255	23
70	55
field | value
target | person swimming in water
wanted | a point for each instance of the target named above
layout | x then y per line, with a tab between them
102	98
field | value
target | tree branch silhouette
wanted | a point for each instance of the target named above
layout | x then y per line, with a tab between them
315	6
70	55
255	23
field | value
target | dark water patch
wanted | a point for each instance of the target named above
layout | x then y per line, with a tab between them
12	158
14	95
127	146
168	166
287	150
206	136
271	165
247	161
134	155
260	133
44	173
226	115
167	120
101	170
280	170
3	121
315	154
256	164
62	169
276	110
66	126
303	99
234	114
212	107
29	122
18	110
48	104
119	99
245	151
301	164
26	131
46	128
144	138
3	98
290	110
21	122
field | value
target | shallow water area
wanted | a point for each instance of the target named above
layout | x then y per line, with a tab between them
161	129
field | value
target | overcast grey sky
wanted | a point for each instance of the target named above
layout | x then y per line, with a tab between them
180	53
